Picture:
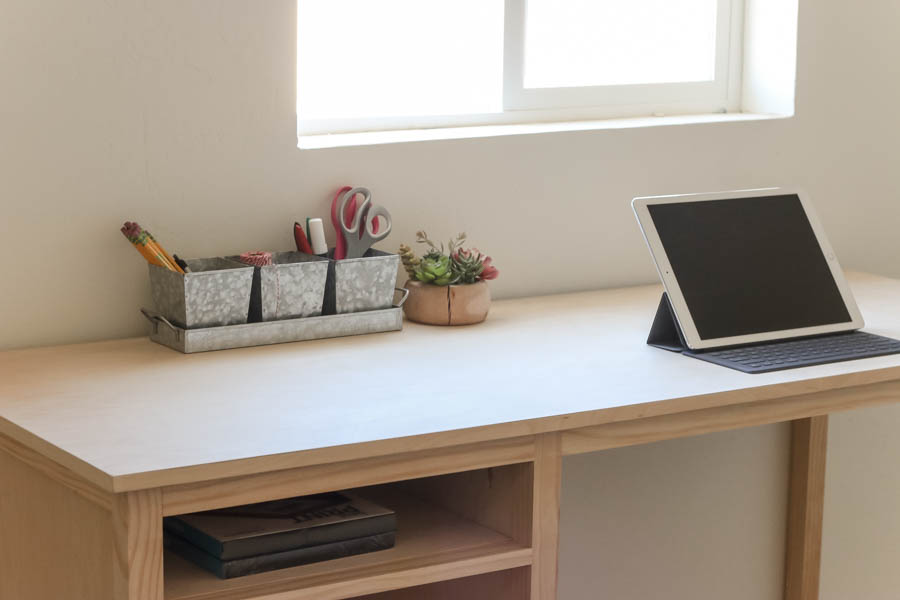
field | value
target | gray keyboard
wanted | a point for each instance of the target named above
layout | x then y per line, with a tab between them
775	356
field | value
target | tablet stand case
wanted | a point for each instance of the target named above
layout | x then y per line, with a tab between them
665	332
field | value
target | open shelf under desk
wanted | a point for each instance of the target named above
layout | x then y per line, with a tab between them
432	545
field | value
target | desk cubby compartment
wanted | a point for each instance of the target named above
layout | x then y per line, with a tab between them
361	284
290	288
511	584
463	531
216	292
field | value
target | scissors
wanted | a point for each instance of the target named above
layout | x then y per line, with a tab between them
357	225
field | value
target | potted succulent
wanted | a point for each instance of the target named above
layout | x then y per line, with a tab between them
447	287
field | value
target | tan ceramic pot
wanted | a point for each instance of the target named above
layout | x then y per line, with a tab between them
447	305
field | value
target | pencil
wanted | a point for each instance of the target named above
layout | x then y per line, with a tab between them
145	252
147	241
165	254
143	241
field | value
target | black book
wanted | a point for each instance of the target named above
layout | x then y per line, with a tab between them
282	525
226	569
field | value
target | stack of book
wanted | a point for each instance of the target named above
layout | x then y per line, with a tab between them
238	541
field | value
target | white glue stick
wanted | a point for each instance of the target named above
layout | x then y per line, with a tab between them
317	237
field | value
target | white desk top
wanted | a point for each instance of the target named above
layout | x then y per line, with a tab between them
132	414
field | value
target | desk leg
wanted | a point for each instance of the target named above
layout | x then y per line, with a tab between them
807	498
55	531
545	527
138	546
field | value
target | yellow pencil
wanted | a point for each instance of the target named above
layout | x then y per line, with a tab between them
147	254
154	249
162	251
142	241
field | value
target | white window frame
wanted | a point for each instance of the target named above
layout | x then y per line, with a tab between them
712	95
522	105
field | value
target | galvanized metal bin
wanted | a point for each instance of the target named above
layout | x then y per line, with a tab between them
216	292
361	284
274	332
293	287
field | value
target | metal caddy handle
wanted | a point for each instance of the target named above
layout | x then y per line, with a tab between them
405	295
156	318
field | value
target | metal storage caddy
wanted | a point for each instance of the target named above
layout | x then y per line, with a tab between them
208	308
361	284
292	287
215	293
190	341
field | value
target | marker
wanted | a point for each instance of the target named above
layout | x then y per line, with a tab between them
301	240
181	263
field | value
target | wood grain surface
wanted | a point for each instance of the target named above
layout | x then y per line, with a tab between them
130	415
137	569
545	528
809	445
55	542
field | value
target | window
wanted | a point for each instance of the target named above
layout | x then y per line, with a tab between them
368	65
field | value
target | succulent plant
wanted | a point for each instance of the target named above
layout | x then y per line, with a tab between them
457	265
422	238
467	265
490	271
436	269
410	260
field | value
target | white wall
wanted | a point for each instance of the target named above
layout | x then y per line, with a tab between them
180	114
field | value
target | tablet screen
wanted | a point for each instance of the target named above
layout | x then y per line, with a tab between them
748	265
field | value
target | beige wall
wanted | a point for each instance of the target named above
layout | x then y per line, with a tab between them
695	518
180	114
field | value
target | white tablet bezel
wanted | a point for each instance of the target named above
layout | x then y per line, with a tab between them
670	282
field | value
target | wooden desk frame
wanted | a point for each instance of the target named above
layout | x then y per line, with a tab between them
117	536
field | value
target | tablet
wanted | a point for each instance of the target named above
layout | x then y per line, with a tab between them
747	266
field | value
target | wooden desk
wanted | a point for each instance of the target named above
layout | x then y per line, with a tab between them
463	430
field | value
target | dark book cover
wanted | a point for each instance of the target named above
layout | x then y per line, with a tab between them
282	525
227	569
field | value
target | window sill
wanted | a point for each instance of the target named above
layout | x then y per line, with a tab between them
370	138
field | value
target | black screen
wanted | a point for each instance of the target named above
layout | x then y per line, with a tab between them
748	265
